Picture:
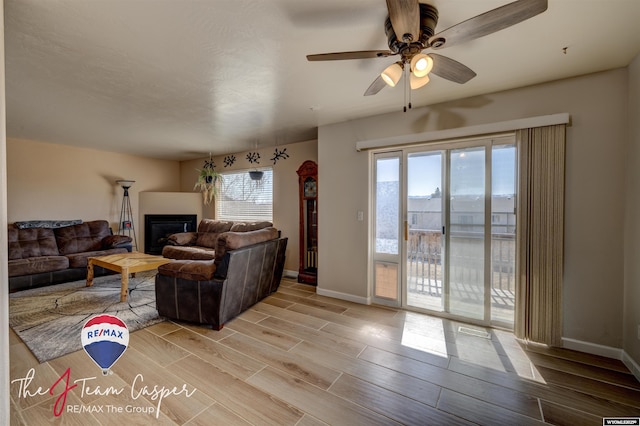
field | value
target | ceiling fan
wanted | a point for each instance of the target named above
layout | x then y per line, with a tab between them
410	30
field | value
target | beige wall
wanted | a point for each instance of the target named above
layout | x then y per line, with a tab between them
594	203
285	187
632	222
51	181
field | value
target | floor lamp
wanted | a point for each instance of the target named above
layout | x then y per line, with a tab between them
126	226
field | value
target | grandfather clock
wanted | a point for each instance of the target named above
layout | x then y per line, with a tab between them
308	182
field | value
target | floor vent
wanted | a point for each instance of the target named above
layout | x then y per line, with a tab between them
474	332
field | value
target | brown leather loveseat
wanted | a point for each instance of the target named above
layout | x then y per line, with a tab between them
51	252
201	245
245	268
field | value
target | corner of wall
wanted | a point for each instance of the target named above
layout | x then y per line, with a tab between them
631	365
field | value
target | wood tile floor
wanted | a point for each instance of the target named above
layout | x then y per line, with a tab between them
297	358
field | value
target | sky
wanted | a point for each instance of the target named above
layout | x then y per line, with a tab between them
467	165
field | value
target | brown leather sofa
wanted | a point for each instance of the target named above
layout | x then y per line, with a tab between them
51	252
201	245
247	267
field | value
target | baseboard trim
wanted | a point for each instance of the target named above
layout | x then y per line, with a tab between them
343	296
592	348
287	273
601	350
631	365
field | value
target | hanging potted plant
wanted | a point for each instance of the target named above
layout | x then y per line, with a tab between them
207	183
256	174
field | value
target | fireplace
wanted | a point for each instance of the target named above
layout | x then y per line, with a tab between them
157	227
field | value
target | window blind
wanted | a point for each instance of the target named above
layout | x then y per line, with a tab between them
241	198
540	235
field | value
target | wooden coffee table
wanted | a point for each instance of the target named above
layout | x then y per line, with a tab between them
125	263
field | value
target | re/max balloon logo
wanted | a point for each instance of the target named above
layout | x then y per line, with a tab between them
104	339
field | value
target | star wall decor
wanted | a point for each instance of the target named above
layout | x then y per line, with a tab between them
209	164
229	160
253	157
279	155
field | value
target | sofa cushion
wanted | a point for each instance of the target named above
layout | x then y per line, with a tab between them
208	231
196	270
249	226
188	252
32	242
37	264
82	237
214	225
80	260
235	240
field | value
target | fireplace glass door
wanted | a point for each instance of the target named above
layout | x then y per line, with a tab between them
158	227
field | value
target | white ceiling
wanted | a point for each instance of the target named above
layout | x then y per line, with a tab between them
177	79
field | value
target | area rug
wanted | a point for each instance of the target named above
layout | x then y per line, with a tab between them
49	319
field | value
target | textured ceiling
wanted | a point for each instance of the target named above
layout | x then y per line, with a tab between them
177	79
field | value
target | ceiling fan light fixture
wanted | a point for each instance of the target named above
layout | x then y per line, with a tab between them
417	82
421	64
410	28
392	74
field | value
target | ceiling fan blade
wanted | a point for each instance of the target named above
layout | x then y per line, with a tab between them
362	54
488	22
450	69
377	85
405	19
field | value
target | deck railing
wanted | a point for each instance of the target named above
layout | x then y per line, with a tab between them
425	260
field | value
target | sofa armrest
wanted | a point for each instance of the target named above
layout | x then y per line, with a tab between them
182	239
116	241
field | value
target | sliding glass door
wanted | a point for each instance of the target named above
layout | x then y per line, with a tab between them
467	221
424	226
451	246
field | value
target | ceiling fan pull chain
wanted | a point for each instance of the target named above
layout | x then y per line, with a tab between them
404	90
406	79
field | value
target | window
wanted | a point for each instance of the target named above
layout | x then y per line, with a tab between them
241	198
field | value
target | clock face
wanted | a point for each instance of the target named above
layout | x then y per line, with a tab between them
310	189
